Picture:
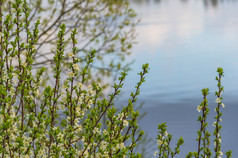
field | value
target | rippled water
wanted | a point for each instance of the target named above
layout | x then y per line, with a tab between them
184	42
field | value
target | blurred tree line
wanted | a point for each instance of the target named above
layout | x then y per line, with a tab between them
207	3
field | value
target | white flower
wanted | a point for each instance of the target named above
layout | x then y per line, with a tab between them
103	145
91	92
71	74
65	86
220	153
54	128
199	108
166	133
5	77
71	54
76	67
125	123
13	136
96	130
78	128
120	145
34	124
24	64
156	152
37	93
15	75
14	144
80	85
218	100
98	155
60	136
105	132
159	142
120	116
12	91
41	152
78	109
223	105
214	124
219	139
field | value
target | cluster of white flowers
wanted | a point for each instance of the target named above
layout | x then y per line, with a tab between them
120	145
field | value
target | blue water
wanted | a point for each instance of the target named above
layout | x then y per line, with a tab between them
184	42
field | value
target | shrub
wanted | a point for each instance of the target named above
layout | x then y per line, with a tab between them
63	118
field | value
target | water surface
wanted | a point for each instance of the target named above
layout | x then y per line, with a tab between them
184	42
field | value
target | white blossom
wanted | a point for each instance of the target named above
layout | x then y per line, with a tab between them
12	92
218	100
156	152
199	108
76	67
71	74
214	124
125	123
220	153
71	54
159	142
96	130
79	84
223	105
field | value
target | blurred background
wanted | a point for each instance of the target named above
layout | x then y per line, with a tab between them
185	41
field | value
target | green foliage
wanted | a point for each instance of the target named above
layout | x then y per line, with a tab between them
204	151
164	140
203	135
63	119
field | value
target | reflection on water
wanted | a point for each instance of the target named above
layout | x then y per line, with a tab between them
207	3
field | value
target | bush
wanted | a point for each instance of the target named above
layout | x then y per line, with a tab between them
30	125
39	118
